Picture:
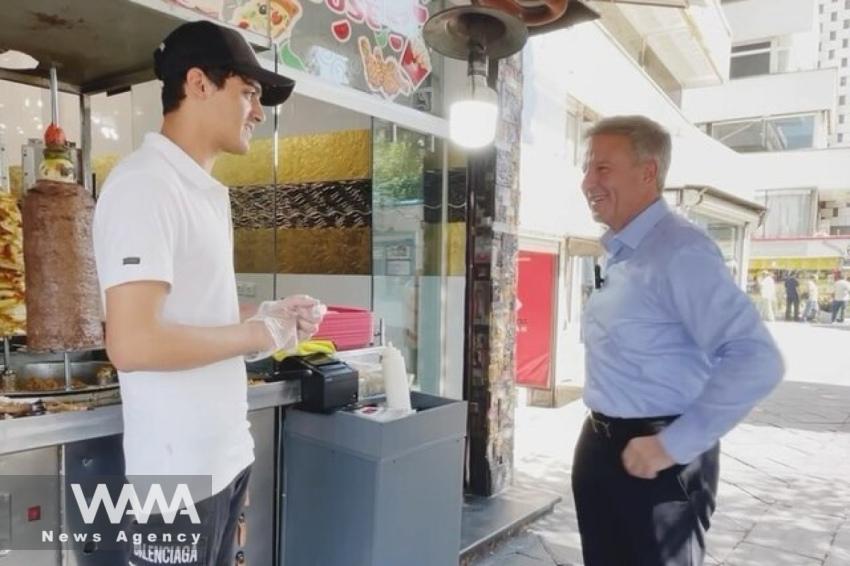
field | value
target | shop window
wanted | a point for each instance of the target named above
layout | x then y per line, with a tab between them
750	60
579	120
771	134
790	212
728	237
408	235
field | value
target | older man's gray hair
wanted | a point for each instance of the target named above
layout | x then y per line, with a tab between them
649	140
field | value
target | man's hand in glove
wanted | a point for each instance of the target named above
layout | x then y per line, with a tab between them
287	322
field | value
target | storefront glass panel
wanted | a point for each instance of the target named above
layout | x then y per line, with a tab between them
323	203
407	247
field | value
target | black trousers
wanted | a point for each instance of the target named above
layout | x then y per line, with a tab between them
628	521
792	303
216	535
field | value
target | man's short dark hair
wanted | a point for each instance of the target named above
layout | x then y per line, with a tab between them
174	88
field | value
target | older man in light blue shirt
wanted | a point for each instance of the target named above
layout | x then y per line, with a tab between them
676	356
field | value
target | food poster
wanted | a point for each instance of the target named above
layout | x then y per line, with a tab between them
275	17
371	45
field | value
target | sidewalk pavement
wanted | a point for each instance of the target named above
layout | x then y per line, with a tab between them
784	497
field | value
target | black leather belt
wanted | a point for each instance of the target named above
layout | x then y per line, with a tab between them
617	428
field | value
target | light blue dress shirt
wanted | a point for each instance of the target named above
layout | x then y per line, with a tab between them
670	333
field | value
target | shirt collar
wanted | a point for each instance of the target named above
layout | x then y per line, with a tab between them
187	167
635	231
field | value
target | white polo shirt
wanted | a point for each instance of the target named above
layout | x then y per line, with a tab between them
161	217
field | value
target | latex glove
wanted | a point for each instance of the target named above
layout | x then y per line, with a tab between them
288	322
309	319
309	312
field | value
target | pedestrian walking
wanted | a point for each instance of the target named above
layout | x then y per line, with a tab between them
840	296
792	297
767	289
810	313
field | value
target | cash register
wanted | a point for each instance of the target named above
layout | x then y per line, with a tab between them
327	384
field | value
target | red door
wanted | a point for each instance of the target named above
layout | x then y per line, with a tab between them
534	318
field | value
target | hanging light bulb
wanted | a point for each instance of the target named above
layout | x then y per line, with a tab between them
473	119
474	34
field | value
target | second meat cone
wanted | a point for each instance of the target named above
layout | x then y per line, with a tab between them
63	298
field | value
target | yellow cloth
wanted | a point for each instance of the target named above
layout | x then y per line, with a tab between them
307	348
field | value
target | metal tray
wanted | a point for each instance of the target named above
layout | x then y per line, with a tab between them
52	376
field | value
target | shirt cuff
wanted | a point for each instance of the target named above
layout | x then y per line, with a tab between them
680	443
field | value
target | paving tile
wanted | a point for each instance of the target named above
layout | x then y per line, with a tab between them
839	553
785	529
515	560
755	555
722	540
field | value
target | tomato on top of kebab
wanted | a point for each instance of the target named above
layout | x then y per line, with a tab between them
57	164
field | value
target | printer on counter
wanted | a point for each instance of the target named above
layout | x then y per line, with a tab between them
327	384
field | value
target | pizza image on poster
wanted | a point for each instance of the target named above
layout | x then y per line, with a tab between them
279	15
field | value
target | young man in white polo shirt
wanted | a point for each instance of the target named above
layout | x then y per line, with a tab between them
164	250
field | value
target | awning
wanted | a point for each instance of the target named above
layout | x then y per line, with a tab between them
807	263
584	247
713	202
96	46
692	39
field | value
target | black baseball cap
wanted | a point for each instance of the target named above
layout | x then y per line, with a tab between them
205	44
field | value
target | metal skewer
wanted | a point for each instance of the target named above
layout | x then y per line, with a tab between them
67	360
54	96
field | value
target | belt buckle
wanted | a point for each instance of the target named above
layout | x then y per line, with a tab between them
599	426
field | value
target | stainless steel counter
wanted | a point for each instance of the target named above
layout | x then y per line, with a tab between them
49	430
